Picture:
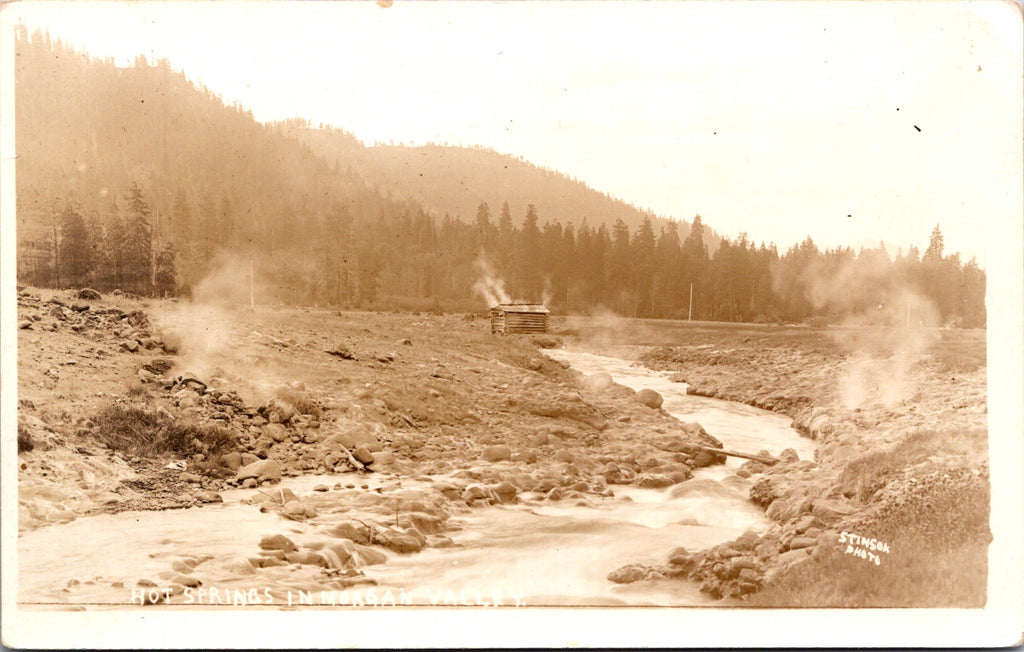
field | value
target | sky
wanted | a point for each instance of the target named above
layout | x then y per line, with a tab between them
850	122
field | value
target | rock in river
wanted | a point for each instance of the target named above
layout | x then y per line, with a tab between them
209	497
278	542
650	398
262	470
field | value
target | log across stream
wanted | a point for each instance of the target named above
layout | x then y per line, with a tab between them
532	553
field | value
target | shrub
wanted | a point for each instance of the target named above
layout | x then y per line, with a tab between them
138	391
301	401
143	433
546	341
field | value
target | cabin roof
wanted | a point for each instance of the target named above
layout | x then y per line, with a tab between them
521	307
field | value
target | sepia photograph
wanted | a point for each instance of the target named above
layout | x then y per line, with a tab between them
410	324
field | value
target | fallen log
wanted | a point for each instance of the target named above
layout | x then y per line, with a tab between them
757	458
356	464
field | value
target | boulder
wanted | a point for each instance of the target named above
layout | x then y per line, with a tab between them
628	574
802	542
791	557
650	398
779	510
363	455
354	434
654	480
672	444
497	453
831	511
425	523
278	542
621	391
506	491
209	497
341	554
598	382
261	470
298	510
476	492
233	460
398	541
704	458
370	556
307	558
563	456
89	294
275	431
789	455
347	530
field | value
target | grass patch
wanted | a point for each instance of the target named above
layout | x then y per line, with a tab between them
143	433
865	475
910	576
938	538
961	351
138	391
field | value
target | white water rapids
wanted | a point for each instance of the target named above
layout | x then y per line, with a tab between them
534	553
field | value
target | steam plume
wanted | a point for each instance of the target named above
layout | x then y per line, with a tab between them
489	286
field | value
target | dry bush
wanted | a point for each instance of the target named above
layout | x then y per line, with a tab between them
300	400
138	391
143	433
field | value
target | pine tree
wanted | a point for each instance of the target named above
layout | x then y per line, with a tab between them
165	274
527	282
642	269
137	251
75	259
935	245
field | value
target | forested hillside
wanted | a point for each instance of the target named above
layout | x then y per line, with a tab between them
134	178
455	180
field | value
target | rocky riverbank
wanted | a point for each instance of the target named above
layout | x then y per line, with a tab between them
902	455
133	405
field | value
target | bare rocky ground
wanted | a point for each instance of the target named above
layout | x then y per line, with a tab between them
127	404
901	421
234	398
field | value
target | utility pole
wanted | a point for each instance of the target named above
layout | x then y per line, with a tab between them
689	316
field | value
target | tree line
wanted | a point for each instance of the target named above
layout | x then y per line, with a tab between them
133	178
415	261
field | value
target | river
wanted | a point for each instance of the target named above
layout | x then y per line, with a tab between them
533	553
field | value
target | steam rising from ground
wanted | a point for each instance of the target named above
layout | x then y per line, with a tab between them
605	328
489	286
886	339
201	327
